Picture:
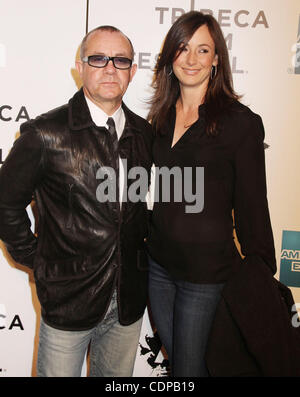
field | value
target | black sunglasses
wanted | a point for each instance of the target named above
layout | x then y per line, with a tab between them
100	61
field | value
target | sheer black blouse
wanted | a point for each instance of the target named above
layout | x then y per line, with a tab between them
199	247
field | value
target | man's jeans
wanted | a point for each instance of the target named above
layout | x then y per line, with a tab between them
183	313
112	348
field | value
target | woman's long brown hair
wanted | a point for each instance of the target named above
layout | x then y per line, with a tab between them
219	94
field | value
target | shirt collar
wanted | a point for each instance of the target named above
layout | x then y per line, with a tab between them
99	117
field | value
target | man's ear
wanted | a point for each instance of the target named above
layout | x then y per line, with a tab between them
133	71
79	67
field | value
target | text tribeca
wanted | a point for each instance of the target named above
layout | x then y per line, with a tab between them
240	19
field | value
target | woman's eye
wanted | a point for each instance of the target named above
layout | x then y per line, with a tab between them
203	51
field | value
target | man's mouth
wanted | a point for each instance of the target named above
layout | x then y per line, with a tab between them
108	82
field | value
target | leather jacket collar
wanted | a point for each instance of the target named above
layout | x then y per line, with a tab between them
80	117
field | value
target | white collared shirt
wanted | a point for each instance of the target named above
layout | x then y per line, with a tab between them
99	117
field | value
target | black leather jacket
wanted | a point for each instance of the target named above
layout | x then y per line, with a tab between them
84	248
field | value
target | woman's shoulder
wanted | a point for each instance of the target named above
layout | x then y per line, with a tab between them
240	121
237	111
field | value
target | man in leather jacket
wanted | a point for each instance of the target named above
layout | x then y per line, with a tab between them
88	254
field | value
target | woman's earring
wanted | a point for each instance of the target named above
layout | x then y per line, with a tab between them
213	71
171	70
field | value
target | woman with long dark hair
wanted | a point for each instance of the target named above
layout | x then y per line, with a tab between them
201	124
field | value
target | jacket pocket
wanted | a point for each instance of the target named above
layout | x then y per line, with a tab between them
72	268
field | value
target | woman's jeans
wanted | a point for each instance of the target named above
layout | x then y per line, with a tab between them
112	348
183	313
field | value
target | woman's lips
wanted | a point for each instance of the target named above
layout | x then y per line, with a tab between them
190	71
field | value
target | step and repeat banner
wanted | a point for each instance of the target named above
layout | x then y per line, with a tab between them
39	42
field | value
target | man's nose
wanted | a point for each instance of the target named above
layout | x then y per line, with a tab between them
109	68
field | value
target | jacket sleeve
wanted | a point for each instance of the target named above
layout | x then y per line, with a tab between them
19	176
251	213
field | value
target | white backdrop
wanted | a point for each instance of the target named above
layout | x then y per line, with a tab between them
39	42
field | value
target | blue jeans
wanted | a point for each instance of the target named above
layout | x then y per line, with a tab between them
112	348
183	313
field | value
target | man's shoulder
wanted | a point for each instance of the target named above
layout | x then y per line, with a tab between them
52	120
139	124
134	118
